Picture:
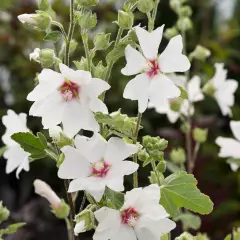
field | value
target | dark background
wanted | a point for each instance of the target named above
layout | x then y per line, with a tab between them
211	29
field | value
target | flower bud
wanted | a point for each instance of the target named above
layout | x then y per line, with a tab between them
40	21
175	5
154	177
200	135
156	154
236	234
185	128
4	213
185	11
201	236
178	156
145	6
171	32
45	191
101	41
87	20
125	19
184	24
175	104
87	3
85	221
185	236
47	58
146	140
200	53
82	65
99	70
161	167
162	145
209	89
63	211
143	155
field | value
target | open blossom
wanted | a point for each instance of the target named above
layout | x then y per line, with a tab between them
16	157
151	83
224	89
193	88
44	190
141	217
229	147
70	98
96	163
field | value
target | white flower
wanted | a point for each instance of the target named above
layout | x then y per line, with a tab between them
54	133
44	190
28	18
35	55
151	83
141	217
194	95
229	147
96	163
224	89
79	228
70	97
16	157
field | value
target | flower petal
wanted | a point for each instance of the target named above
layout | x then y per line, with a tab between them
172	60
150	41
228	147
125	232
116	184
161	90
97	105
220	75
194	89
118	150
75	165
135	62
137	89
235	127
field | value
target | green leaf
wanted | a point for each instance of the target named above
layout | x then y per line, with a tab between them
228	237
2	150
11	228
173	167
36	146
53	36
184	94
115	200
180	189
189	220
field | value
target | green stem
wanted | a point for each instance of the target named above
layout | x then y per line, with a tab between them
60	26
86	49
135	156
70	34
151	23
156	172
195	152
83	202
69	229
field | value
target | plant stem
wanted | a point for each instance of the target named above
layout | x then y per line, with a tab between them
155	170
196	151
135	156
60	26
151	23
69	229
70	34
86	49
83	202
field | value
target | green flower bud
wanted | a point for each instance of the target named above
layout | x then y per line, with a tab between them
87	20
143	155
87	3
200	53
171	32
161	167
185	128
99	70
175	5
236	234
63	211
150	146
73	46
40	21
200	135
4	213
145	6
125	19
175	104
47	58
154	177
102	41
82	65
156	154
178	156
162	145
88	217
184	24
185	236
146	140
155	140
185	11
201	236
209	89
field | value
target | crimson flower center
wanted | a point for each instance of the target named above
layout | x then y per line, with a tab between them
153	68
129	216
69	90
100	169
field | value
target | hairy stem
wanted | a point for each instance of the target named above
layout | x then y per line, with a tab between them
86	49
60	26
151	23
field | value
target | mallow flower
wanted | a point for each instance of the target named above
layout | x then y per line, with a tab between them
223	89
229	147
70	98
141	217
151	83
96	163
176	107
16	157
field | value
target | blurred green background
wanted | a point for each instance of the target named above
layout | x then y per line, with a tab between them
216	26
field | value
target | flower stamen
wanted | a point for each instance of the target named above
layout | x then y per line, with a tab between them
153	68
129	216
69	90
100	169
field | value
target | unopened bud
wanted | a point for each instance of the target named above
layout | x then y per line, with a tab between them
146	140
175	5
171	32
185	11
82	65
175	104
200	53
99	70
79	228
236	234
178	156
85	221
209	89
87	20
162	145
145	6
40	21
63	211
185	236
200	135
125	19
87	3
47	58
203	236
185	128
102	41
143	155
184	24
